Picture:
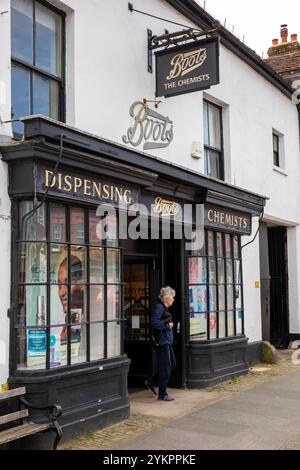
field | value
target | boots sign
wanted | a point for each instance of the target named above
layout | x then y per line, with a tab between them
148	127
187	68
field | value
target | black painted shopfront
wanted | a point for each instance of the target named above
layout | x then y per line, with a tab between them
80	304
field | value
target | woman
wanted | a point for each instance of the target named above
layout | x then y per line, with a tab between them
162	324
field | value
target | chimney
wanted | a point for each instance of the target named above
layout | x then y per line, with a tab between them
294	37
284	33
275	42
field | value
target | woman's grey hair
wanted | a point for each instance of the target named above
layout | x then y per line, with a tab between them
166	293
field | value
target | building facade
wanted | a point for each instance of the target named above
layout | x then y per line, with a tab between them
75	306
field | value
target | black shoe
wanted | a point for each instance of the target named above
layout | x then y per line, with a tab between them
150	387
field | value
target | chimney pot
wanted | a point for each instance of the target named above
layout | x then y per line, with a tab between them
284	32
294	37
275	42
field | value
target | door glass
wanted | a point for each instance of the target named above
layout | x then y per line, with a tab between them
136	303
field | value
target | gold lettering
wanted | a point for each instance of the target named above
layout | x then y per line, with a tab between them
106	191
68	183
210	215
87	188
77	184
118	194
60	181
127	196
48	178
97	189
217	217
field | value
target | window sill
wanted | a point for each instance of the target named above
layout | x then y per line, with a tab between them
279	170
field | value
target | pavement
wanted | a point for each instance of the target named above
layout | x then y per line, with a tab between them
258	412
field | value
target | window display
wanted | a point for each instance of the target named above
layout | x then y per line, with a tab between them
215	295
72	290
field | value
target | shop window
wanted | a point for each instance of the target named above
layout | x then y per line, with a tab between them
213	148
69	289
215	288
37	33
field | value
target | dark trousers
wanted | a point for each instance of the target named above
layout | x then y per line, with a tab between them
166	363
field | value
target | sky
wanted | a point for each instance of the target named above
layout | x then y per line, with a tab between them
257	20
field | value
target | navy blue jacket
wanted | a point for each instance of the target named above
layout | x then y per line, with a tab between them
166	336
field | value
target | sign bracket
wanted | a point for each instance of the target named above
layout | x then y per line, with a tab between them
174	39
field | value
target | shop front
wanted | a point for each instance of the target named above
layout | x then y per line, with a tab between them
83	289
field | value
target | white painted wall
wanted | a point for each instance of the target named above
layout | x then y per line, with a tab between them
106	71
5	226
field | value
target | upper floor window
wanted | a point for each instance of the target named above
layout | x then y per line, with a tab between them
278	151
213	148
276	156
37	60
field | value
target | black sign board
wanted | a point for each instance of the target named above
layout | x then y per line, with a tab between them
187	68
228	220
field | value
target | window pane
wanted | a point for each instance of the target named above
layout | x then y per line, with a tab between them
77	226
59	264
236	247
32	304
113	302
96	265
33	227
222	304
220	250
22	30
113	339
230	321
211	246
78	264
239	322
222	325
214	117
31	349
198	326
113	266
213	325
238	296
96	341
20	92
33	263
54	100
212	271
230	297
212	299
237	272
221	271
58	223
96	303
93	233
48	40
275	143
78	304
197	271
228	252
78	344
198	299
41	95
58	348
59	306
229	272
212	163
205	123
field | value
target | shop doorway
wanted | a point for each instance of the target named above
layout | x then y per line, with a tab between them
279	304
274	285
144	274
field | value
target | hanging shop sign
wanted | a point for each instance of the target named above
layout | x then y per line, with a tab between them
228	220
188	68
149	128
